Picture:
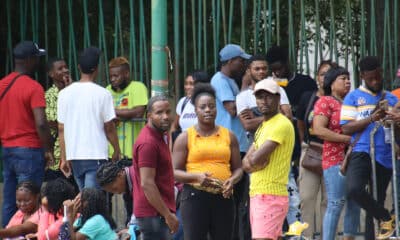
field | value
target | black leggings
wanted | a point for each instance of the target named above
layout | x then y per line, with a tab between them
358	176
206	214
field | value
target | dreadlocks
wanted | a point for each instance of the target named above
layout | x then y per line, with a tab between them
93	203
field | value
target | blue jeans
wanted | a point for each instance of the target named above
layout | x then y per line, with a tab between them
153	228
84	172
294	213
19	164
335	185
179	234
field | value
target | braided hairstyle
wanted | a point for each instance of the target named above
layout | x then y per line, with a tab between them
28	186
108	172
93	203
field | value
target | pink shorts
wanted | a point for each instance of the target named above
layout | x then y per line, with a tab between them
267	213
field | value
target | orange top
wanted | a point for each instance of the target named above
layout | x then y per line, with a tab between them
18	218
210	154
48	224
396	92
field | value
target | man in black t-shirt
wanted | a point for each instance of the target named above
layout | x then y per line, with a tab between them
277	58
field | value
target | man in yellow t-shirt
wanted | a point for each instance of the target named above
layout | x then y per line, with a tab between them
130	100
268	161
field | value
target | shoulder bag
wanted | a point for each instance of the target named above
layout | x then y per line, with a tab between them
9	85
312	159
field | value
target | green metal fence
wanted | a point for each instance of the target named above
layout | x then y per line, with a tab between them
311	29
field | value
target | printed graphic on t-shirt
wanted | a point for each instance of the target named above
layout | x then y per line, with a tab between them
122	100
189	116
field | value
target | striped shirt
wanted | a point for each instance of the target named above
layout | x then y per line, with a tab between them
359	104
274	177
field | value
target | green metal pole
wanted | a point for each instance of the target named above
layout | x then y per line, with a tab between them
278	25
177	49
362	27
159	81
215	44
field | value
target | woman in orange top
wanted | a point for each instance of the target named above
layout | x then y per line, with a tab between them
22	223
207	160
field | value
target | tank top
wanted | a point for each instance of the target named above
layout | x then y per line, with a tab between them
210	154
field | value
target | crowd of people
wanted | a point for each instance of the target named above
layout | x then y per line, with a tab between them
243	156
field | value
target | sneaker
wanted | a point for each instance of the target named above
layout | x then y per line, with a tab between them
386	229
296	228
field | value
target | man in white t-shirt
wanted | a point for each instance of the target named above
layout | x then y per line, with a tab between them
246	106
85	122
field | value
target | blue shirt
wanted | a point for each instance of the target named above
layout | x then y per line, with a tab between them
226	89
359	104
97	228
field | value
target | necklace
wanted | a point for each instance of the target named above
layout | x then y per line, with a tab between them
201	133
337	99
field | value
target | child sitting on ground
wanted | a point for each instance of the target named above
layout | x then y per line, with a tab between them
22	223
95	221
50	218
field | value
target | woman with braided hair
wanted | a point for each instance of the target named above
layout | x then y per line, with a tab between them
95	221
115	178
22	223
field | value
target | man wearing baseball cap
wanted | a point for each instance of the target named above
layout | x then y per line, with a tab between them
268	161
232	58
85	114
24	133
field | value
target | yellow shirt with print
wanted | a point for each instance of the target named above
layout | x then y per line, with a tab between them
51	115
135	94
273	179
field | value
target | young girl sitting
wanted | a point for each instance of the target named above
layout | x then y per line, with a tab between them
51	215
22	223
94	221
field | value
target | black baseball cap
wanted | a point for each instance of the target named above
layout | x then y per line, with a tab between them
26	49
89	59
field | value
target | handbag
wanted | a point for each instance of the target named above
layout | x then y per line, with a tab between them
346	159
312	159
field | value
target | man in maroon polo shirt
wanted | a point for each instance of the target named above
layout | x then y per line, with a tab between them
153	181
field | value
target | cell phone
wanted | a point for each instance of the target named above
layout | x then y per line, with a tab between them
384	105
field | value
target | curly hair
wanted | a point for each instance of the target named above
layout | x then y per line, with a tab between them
369	63
56	192
202	89
93	203
108	172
